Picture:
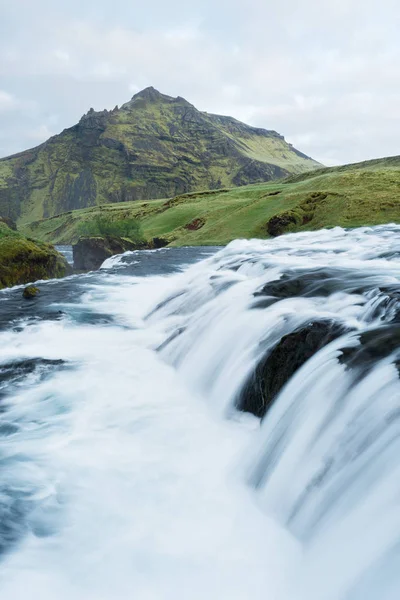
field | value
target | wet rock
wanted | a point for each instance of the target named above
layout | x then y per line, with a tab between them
17	370
90	252
389	308
164	303
318	282
16	373
30	292
279	364
306	284
375	344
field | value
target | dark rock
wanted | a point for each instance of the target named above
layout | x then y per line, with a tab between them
90	252
276	193
279	364
302	214
389	307
157	242
113	144
375	344
318	282
277	225
30	292
79	191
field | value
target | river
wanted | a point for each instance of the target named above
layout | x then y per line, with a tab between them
126	468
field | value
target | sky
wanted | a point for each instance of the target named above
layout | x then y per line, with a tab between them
325	74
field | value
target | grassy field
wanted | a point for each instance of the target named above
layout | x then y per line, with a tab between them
353	195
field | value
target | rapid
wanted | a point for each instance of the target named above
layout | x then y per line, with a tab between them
131	465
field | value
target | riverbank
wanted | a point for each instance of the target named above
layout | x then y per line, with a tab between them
24	260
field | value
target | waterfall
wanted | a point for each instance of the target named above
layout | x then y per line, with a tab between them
132	465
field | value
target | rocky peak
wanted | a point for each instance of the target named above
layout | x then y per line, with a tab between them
149	94
94	120
93	113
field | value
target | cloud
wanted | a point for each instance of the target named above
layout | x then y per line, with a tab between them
40	134
323	74
7	102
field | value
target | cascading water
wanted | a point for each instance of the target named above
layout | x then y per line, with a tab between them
126	468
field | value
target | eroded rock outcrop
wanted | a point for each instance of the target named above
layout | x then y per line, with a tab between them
279	364
90	252
302	214
23	260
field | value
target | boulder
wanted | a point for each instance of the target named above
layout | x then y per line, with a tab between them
30	292
90	252
319	282
279	364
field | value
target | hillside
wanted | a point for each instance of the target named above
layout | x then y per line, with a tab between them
350	196
155	146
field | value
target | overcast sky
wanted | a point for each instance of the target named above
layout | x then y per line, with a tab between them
326	74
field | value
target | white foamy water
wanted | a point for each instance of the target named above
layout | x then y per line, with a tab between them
131	480
126	471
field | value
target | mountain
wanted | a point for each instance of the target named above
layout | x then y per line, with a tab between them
154	146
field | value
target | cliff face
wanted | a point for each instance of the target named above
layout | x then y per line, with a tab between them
155	146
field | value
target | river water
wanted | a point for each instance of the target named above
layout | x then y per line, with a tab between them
126	470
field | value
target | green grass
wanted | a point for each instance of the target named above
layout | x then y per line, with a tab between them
350	196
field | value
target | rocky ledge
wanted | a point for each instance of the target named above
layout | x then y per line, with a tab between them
23	260
281	362
90	252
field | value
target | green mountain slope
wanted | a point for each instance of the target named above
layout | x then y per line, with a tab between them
154	146
354	195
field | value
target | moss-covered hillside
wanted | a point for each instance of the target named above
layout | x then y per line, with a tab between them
23	260
354	195
154	146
